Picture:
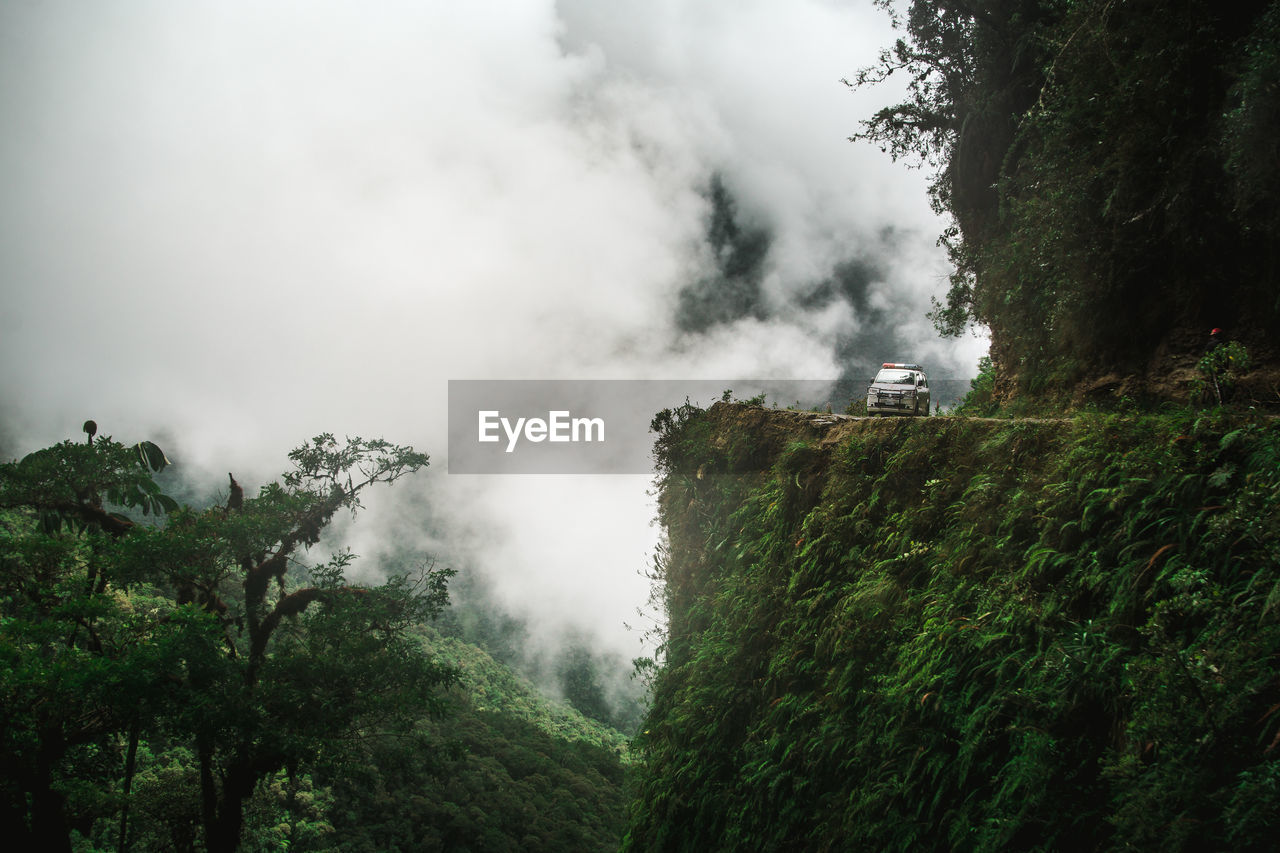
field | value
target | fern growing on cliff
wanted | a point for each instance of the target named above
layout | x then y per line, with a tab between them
962	635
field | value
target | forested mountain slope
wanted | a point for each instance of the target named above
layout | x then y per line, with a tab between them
1038	634
964	634
504	769
179	678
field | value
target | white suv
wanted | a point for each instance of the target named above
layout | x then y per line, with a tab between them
899	389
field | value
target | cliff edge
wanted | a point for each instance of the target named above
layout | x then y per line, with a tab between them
962	634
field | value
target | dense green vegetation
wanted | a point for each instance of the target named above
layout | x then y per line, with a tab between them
597	683
192	679
1111	171
1049	634
961	634
504	770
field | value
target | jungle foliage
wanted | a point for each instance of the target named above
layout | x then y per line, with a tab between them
597	683
504	770
1110	169
193	679
966	635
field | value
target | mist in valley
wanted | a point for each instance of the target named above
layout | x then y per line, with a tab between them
229	227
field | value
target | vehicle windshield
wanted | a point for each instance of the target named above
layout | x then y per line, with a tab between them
895	377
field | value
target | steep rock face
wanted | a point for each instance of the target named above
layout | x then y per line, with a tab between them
961	634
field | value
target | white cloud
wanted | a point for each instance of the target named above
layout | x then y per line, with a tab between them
240	224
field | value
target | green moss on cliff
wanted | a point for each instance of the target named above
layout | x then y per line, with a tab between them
964	634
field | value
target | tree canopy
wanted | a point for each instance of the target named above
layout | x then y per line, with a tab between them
200	642
1110	170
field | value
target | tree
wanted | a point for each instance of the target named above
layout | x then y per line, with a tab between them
973	69
1108	170
201	632
79	661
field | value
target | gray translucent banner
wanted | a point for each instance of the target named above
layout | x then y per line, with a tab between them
592	426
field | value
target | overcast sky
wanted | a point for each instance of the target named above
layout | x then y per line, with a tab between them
229	226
